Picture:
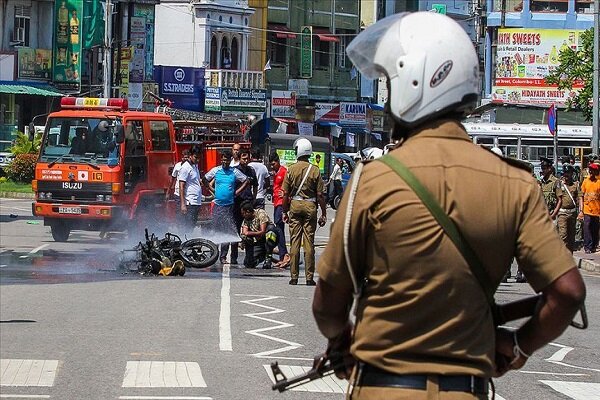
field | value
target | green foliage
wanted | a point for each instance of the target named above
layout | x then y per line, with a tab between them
577	66
22	168
10	186
22	144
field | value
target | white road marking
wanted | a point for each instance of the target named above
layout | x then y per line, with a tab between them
163	374
552	373
560	354
24	396
164	398
278	325
327	384
498	397
3	265
576	390
35	250
574	366
225	343
16	372
21	209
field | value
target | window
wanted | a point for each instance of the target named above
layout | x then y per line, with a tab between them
276	48
134	138
159	130
345	38
22	22
321	52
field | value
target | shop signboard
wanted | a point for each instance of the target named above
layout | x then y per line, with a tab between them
34	63
125	57
305	128
300	86
184	86
66	65
287	157
306	52
144	16
524	58
283	103
327	112
235	99
353	114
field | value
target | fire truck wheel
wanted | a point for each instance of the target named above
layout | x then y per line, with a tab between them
199	253
60	231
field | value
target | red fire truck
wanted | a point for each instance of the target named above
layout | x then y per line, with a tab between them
103	167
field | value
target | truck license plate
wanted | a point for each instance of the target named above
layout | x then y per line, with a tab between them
69	210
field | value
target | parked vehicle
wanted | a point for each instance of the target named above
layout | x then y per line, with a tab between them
347	169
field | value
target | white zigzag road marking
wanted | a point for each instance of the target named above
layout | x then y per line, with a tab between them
278	325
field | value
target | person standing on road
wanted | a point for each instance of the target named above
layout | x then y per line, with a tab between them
566	220
225	178
262	177
336	178
279	172
174	184
236	155
190	190
551	188
302	190
424	326
590	209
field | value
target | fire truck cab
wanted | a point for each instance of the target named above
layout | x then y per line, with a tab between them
103	167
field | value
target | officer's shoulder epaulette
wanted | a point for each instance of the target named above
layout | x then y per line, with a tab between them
518	163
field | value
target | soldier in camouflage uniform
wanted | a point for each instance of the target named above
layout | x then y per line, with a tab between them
551	189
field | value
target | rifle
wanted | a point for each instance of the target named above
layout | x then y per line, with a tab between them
507	312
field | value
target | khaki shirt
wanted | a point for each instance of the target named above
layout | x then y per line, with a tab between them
575	192
313	184
422	310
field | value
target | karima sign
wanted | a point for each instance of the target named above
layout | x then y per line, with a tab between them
353	114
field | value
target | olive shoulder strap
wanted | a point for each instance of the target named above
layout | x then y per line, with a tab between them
447	224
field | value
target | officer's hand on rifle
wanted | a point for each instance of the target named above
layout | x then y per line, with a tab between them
338	352
506	356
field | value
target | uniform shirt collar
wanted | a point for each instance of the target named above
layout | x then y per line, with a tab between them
443	128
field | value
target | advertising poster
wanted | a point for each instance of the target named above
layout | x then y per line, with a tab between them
135	95
235	99
524	58
327	112
287	157
283	103
353	114
146	13
34	63
300	86
306	62
305	128
67	44
125	58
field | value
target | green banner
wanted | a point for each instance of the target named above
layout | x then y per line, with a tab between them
67	44
288	157
34	63
93	29
306	52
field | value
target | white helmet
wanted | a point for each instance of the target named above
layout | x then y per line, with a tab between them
103	126
497	150
429	60
303	147
372	153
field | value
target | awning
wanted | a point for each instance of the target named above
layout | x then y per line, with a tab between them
281	31
28	90
325	35
376	107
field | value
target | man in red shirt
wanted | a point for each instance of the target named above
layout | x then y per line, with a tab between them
279	172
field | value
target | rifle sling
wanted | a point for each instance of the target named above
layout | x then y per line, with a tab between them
449	227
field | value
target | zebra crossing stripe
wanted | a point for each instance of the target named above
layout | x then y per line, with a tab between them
163	374
576	390
327	384
17	372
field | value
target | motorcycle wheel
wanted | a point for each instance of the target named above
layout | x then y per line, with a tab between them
199	253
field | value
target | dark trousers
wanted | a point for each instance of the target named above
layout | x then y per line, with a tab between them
261	249
278	219
224	224
591	227
237	221
259	203
190	218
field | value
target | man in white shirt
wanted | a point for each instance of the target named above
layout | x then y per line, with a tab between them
336	178
190	190
262	176
235	150
174	185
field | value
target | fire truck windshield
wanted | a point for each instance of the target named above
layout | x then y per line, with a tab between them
85	140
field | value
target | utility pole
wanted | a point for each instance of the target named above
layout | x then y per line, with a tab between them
107	68
596	77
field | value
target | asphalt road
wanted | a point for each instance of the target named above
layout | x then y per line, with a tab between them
73	326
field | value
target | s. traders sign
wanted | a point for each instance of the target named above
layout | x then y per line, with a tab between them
178	81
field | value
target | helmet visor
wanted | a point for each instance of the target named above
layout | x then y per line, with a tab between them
362	50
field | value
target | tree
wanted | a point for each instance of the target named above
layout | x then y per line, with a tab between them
22	144
577	67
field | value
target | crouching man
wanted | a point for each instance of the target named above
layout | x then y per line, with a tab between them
259	236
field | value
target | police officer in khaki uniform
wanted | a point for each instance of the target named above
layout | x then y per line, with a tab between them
302	189
424	329
551	188
566	220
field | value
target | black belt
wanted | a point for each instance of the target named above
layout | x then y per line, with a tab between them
372	376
